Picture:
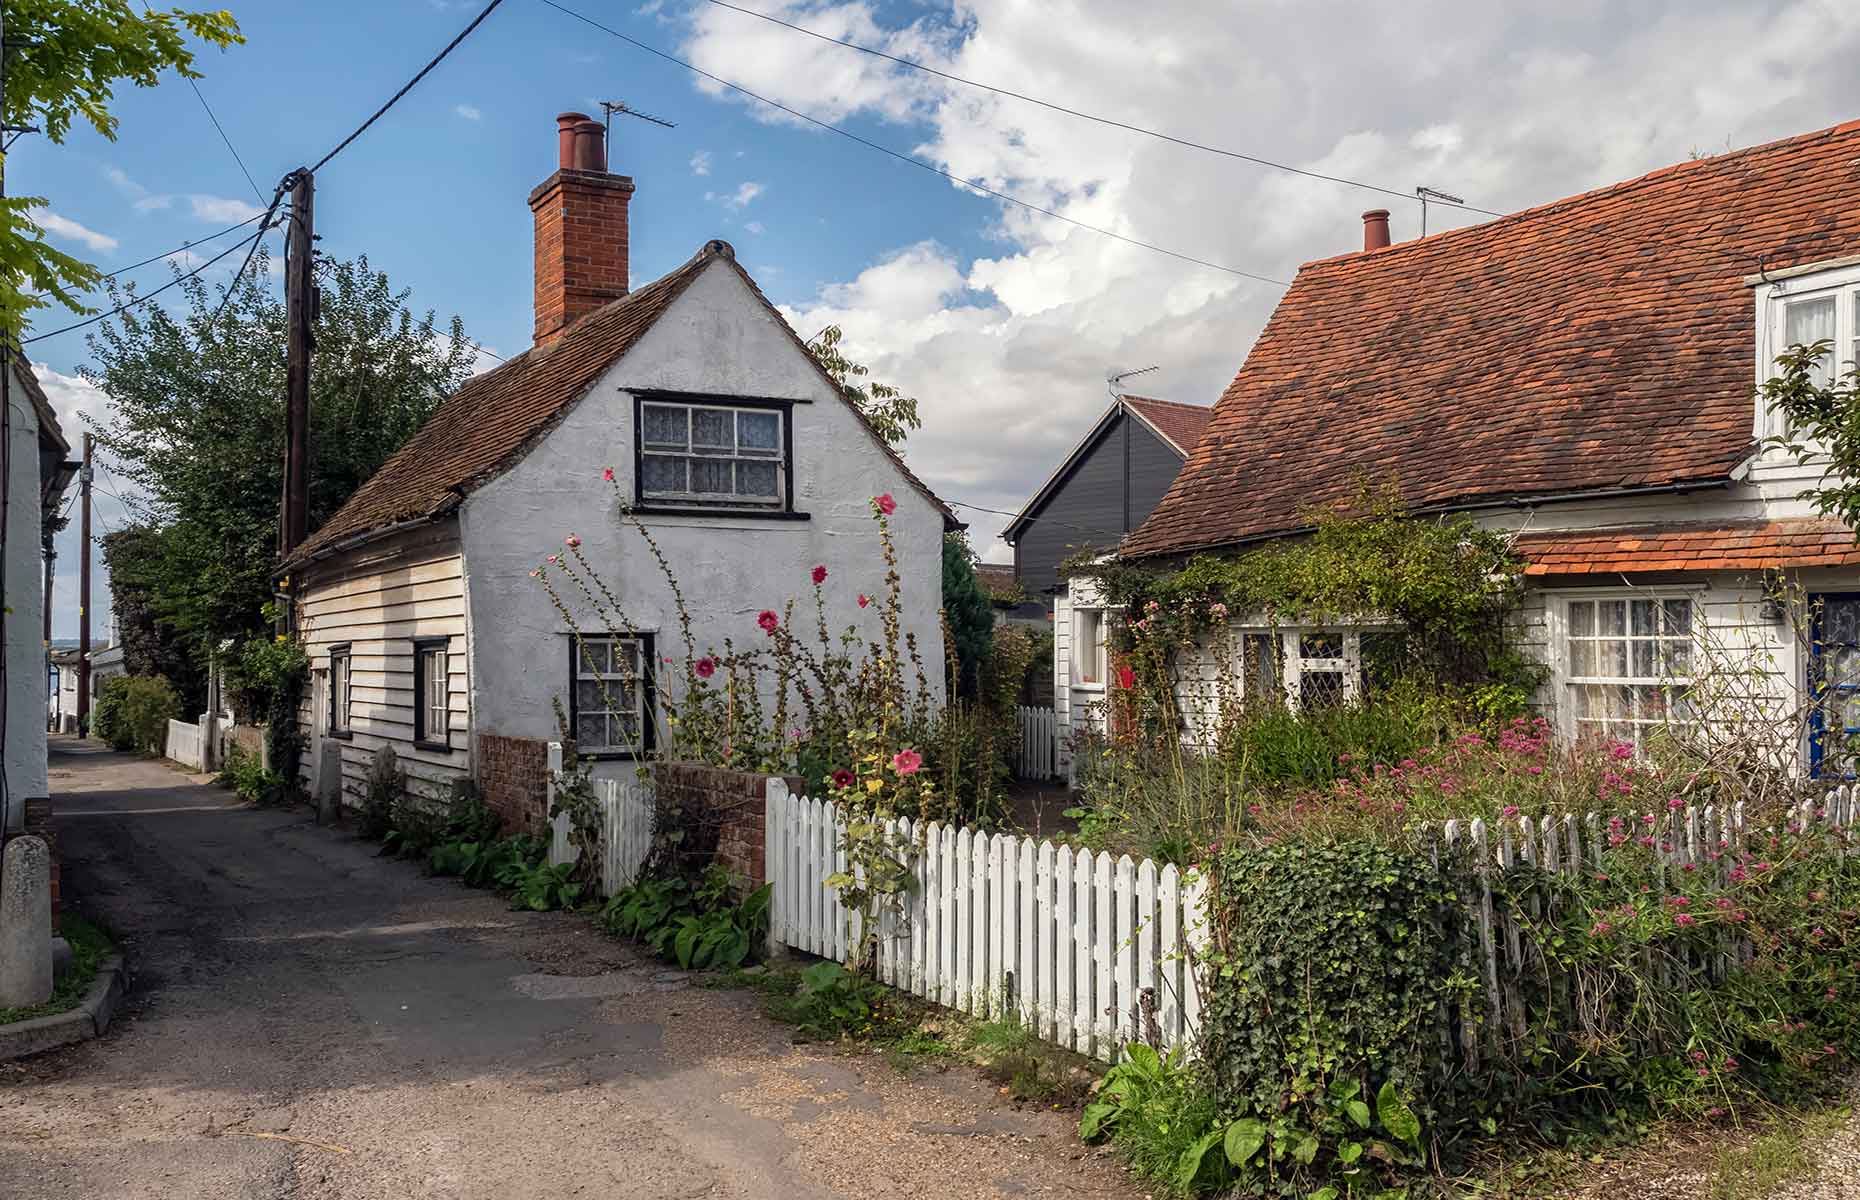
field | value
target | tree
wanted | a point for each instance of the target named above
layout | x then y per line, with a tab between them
133	556
968	611
64	59
889	410
197	423
1820	416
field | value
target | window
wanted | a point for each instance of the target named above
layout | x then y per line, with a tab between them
432	694
1626	662
608	695
713	455
1815	306
339	690
1834	676
1089	659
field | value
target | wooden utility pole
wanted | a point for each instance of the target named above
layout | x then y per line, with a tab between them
84	552
300	321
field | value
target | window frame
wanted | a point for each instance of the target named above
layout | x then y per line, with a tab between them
343	726
1774	297
422	733
1815	656
1100	647
648	694
782	509
1565	680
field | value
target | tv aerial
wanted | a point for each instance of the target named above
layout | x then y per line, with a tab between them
1113	380
610	107
1424	194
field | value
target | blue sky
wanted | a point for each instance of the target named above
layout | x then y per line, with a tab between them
1004	323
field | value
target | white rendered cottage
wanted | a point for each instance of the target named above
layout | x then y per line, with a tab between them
415	603
1583	374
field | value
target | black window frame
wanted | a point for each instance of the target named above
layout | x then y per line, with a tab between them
648	694
346	728
785	511
423	737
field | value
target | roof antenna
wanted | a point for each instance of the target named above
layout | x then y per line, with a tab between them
610	107
1425	193
1112	380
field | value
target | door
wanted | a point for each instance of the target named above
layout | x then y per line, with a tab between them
1834	683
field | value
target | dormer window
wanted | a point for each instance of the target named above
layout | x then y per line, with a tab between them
1801	307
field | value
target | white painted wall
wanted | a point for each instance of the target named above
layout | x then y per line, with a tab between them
25	619
717	338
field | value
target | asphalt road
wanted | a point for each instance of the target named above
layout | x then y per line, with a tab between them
306	1019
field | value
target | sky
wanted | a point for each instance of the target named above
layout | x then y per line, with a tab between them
1004	322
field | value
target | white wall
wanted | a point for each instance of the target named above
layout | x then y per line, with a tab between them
717	338
25	621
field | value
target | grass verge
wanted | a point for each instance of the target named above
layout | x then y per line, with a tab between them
1787	1150
89	947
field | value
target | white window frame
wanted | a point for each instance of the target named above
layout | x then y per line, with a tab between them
637	679
1773	299
1096	648
1564	678
433	719
341	690
736	454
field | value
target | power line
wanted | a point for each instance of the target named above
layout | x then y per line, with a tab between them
1073	112
250	251
395	98
912	160
121	308
184	246
201	96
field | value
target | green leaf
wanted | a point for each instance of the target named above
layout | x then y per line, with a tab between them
1306	1149
1345	1088
1358	1112
1095	1118
1323	1193
1396	1116
1189	1168
1243	1140
1349	1152
1144	1058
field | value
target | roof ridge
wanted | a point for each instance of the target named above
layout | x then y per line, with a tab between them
1159	400
1843	129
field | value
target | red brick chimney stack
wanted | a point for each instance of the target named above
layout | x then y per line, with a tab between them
581	229
1375	229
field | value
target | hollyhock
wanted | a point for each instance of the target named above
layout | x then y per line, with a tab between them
571	541
705	667
1126	678
820	576
768	620
886	504
906	762
842	778
608	474
864	599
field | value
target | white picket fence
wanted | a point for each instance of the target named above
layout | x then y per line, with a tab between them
626	826
185	745
1090	952
1039	743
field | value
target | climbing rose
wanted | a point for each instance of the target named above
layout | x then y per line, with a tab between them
886	504
820	575
842	778
608	474
864	599
906	762
768	620
705	667
1126	678
571	541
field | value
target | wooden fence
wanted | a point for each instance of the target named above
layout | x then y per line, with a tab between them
185	745
1088	951
1038	756
626	826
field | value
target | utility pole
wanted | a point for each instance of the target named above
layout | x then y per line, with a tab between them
300	340
84	552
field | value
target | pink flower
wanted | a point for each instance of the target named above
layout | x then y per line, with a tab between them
705	667
1679	901
1621	751
1730	1064
535	572
1675	804
1762	866
820	575
608	474
842	778
1684	919
571	541
1510	810
555	560
768	620
864	599
906	762
1535	770
886	504
1600	929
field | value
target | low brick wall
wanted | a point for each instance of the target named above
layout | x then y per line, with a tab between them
725	814
513	778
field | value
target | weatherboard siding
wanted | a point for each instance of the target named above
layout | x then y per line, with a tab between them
1108	492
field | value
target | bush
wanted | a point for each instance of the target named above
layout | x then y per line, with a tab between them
133	711
106	715
246	775
696	925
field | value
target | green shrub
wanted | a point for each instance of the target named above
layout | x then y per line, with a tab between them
696	926
833	1003
133	711
106	715
541	887
246	775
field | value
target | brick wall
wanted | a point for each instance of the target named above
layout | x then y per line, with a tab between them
39	825
581	246
513	777
724	813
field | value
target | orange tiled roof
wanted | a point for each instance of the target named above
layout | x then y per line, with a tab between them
1751	545
1602	341
1182	424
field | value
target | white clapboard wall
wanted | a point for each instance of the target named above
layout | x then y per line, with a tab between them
1090	952
1037	757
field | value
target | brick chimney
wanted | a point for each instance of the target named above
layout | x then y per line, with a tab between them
581	229
1375	230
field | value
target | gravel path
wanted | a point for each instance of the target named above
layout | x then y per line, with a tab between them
308	1020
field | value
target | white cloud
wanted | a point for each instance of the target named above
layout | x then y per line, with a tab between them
700	163
70	230
745	192
79	402
1008	350
753	227
470	112
222	209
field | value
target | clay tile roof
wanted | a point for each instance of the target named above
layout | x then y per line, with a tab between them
1722	546
997	579
1180	424
481	428
1602	341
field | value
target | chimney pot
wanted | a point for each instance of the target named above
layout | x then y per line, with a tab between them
591	146
565	137
1375	229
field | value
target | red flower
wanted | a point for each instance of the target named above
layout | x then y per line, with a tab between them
906	762
768	620
820	576
1126	678
886	504
608	474
864	599
705	667
842	778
